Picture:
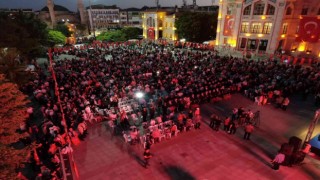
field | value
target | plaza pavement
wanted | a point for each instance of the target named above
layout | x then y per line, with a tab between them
204	154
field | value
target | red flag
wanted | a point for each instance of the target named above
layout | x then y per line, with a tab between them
309	29
295	60
302	61
228	25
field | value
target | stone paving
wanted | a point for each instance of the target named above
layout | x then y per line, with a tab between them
204	154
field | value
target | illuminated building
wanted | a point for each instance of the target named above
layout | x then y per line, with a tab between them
251	25
158	24
300	29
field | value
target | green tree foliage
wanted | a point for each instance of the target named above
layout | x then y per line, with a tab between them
196	27
56	37
63	29
115	36
132	32
23	32
12	114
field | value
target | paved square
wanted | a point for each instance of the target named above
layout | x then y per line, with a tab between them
204	154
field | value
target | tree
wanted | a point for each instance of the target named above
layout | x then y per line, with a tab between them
132	32
12	114
115	36
11	66
196	27
56	37
63	29
23	32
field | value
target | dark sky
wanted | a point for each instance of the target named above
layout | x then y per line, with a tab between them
71	4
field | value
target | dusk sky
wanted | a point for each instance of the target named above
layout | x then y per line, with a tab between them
71	4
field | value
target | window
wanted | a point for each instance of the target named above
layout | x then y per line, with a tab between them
267	28
258	9
247	10
318	12
284	28
304	11
245	27
270	10
256	28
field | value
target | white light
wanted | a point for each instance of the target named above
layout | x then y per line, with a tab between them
139	94
158	72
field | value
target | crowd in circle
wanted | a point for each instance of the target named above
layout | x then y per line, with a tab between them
175	82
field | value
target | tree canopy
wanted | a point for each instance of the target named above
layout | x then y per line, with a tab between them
63	29
12	114
120	35
115	36
23	32
56	37
196	27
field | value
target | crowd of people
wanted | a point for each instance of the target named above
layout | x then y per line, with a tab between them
175	81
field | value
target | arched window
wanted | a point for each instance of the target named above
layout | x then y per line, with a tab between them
289	11
247	10
258	8
270	10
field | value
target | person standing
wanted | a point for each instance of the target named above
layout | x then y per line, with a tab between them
278	160
233	127
227	122
147	156
285	103
217	123
248	129
212	120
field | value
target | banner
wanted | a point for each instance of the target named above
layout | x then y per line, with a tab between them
151	33
309	30
228	25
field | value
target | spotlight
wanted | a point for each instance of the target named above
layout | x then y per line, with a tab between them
139	94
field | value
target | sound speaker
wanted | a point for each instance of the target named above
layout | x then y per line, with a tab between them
296	143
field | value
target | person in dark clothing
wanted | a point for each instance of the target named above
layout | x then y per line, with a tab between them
144	114
212	120
217	123
147	156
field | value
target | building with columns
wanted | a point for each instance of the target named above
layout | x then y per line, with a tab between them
250	25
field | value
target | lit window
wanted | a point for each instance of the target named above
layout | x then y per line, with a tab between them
245	27
270	10
267	28
284	28
258	9
256	28
247	10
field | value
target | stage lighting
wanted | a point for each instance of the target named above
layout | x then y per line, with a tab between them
139	94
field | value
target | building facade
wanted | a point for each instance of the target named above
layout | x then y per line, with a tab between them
159	24
103	17
300	31
250	25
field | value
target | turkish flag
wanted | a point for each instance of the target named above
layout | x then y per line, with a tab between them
151	33
228	25
309	30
